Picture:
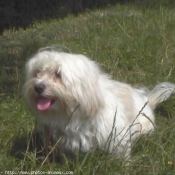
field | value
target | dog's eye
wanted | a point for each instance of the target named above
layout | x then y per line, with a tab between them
58	74
37	72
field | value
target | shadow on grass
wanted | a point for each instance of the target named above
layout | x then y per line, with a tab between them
22	14
21	146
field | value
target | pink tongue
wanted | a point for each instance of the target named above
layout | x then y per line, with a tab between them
43	103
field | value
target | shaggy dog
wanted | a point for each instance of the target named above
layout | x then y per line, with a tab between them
83	109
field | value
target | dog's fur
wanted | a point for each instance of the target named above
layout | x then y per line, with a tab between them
74	100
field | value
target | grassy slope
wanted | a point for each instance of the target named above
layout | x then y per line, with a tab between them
135	45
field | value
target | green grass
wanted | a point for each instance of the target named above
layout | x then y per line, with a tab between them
134	44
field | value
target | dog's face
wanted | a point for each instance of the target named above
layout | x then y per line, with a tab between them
61	82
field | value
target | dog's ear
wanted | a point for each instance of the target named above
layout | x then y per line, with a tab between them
29	67
81	78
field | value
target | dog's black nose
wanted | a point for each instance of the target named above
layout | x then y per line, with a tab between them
39	88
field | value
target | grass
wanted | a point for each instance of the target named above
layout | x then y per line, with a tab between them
134	44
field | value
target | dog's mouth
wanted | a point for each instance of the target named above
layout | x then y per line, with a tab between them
44	103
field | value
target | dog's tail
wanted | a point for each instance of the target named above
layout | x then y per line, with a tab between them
160	93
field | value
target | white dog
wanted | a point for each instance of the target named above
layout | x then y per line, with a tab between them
83	109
